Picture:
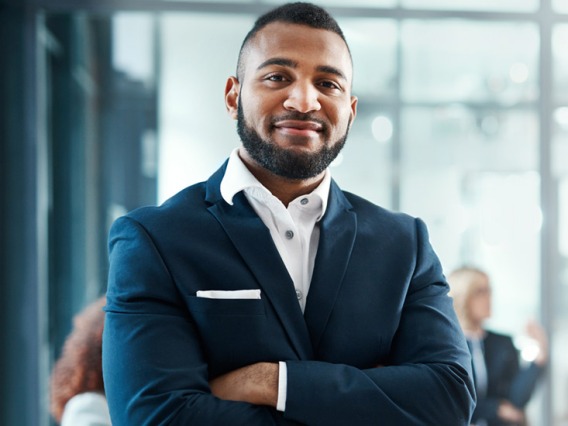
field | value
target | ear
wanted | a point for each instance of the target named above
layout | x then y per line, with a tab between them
354	101
232	89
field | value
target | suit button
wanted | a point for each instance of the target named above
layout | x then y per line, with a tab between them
299	294
289	234
304	201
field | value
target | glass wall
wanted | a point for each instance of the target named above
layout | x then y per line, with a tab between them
449	128
559	326
470	151
465	132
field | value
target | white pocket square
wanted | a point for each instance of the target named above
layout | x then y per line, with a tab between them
229	294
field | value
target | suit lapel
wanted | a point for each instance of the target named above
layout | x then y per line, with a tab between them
253	241
337	237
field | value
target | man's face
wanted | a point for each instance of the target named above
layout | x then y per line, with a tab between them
294	105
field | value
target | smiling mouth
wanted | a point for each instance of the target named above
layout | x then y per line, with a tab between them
299	127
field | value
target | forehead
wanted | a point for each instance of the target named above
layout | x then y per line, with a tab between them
479	281
304	45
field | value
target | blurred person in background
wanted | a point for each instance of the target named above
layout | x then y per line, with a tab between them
503	386
77	391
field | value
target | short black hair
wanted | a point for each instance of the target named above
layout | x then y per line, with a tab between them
299	13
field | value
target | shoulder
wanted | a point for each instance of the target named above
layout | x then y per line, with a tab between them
86	409
190	203
367	209
188	199
374	219
187	206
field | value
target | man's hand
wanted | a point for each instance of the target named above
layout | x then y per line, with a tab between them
256	384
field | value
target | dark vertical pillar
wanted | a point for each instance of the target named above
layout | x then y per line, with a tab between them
23	230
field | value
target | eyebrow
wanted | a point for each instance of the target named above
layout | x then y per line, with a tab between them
331	70
293	64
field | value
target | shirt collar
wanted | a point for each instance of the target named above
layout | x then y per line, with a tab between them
238	178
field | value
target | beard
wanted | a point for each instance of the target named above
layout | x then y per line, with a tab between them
283	162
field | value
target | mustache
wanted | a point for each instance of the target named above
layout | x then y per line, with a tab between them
300	116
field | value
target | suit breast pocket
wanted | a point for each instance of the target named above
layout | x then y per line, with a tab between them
226	307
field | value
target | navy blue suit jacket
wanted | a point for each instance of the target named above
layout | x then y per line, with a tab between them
379	343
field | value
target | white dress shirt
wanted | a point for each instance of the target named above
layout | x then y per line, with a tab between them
86	409
294	230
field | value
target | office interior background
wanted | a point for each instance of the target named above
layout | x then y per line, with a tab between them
111	104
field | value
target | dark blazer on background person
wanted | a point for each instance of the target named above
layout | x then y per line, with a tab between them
506	380
377	298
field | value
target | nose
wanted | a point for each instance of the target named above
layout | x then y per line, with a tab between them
302	97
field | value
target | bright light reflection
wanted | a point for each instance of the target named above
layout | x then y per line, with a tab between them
528	347
382	128
561	116
519	73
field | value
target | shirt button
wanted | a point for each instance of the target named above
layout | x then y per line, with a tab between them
299	294
289	234
304	201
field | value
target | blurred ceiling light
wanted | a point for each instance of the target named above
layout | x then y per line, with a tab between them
519	73
382	128
561	116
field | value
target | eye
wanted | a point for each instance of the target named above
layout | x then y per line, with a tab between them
277	78
328	84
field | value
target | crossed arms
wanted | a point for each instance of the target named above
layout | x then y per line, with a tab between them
158	366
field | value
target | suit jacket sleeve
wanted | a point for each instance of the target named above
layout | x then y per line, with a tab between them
154	368
427	379
524	385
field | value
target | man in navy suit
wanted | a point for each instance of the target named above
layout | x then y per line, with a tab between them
268	296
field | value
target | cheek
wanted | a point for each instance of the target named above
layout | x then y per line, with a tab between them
480	308
257	114
341	117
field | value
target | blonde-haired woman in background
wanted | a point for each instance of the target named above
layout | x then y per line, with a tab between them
503	387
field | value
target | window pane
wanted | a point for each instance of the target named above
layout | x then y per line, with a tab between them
133	45
559	156
469	61
559	333
364	166
560	6
560	142
560	55
196	133
373	47
489	5
480	202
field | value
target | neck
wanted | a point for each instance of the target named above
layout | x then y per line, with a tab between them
474	330
282	188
